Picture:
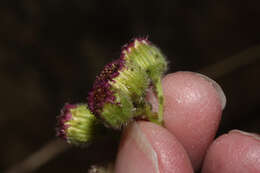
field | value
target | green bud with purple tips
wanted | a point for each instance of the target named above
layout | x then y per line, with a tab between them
77	125
116	93
149	58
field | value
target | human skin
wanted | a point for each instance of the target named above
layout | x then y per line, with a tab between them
192	112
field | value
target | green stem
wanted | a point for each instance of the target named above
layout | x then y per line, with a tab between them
159	94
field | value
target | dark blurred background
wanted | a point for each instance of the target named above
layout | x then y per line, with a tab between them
51	51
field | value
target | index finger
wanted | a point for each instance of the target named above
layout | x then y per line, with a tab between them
193	108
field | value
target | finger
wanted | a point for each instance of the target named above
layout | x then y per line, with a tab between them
234	152
193	107
149	148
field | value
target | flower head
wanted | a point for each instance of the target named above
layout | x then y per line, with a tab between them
149	58
141	52
76	124
101	92
116	90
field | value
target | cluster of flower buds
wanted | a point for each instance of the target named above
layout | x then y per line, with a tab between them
118	95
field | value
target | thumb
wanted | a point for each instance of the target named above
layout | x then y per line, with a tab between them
147	147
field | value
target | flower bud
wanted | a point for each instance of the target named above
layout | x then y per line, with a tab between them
77	125
149	58
116	89
144	54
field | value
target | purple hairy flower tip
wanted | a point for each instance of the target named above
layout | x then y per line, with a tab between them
64	117
127	47
101	92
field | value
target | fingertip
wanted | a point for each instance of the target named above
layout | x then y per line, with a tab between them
147	147
193	107
236	151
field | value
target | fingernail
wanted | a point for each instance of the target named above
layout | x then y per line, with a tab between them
218	88
255	136
143	144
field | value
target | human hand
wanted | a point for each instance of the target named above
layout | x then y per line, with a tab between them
193	108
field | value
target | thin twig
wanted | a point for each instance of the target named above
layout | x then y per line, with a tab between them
228	65
40	157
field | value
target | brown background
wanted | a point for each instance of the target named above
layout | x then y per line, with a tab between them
51	50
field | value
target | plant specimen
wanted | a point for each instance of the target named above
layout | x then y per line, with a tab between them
118	95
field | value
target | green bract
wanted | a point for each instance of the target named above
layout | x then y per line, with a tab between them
132	80
118	114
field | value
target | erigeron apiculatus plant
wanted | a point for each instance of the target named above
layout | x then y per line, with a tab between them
118	95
